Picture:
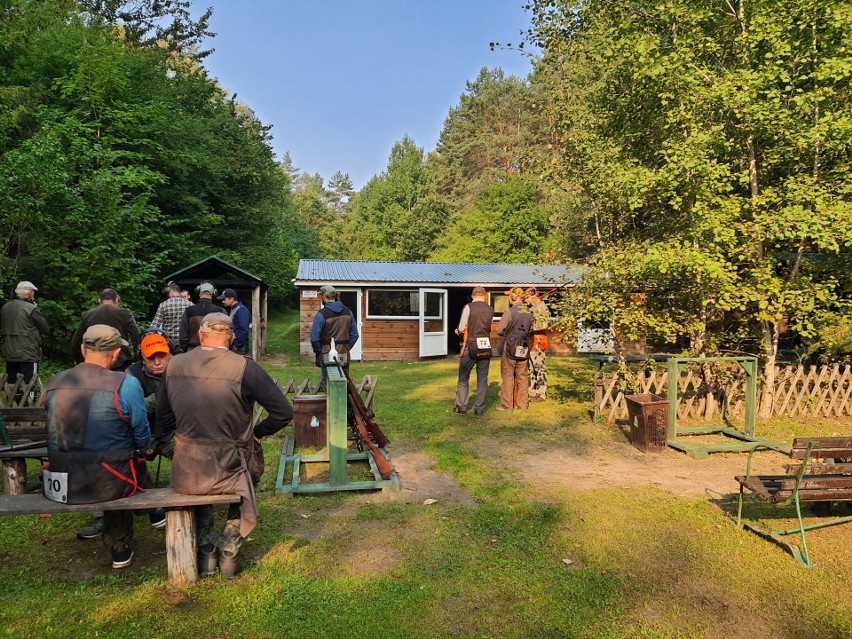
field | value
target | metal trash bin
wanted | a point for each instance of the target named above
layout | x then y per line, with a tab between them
648	415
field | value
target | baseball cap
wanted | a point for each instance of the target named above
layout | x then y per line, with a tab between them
216	323
328	290
206	288
26	285
228	292
478	290
100	337
515	291
154	343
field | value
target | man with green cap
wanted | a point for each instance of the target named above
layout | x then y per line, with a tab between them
21	328
96	423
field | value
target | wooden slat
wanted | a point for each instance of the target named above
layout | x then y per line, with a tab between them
820	469
819	482
36	504
29	414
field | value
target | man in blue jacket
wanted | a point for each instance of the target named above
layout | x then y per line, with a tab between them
96	422
335	321
241	318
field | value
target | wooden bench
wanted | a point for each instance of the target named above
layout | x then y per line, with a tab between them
181	555
823	473
23	436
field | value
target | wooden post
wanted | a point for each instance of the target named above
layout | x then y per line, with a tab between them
14	476
264	322
599	393
181	553
671	394
255	322
338	399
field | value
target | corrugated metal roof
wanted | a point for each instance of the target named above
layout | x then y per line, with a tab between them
340	271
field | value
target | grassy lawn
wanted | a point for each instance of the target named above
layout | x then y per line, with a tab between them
487	560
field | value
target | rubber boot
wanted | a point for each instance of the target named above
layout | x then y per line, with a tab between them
208	558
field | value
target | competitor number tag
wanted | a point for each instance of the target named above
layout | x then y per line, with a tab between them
56	486
483	343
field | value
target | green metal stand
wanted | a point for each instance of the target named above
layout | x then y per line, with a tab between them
338	455
746	439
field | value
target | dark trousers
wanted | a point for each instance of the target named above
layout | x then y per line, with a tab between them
205	523
118	528
13	369
466	365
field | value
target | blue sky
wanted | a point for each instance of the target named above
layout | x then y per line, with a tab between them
341	81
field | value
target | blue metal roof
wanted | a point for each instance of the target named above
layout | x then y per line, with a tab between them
312	272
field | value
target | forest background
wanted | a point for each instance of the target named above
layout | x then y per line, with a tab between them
694	156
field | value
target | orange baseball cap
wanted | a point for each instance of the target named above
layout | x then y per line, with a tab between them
516	291
153	344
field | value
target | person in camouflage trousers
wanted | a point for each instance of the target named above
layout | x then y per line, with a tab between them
538	347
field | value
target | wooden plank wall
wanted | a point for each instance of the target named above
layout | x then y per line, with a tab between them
391	340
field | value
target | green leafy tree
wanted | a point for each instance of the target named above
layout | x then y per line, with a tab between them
392	218
719	128
504	224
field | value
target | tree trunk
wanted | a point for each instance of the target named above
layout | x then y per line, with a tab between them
770	343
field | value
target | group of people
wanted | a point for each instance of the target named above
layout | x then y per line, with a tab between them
523	345
190	397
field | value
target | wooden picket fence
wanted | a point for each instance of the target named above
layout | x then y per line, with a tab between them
711	391
17	393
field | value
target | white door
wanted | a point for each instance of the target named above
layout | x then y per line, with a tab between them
433	321
351	298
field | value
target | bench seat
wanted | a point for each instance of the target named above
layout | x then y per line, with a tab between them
181	555
823	474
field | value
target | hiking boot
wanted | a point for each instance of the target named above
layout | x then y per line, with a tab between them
94	528
121	556
208	559
157	517
479	412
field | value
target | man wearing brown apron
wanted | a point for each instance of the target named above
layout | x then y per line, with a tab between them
207	398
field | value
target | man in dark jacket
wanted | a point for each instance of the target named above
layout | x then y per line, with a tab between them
207	398
515	327
475	324
192	316
333	321
21	328
96	420
110	313
241	318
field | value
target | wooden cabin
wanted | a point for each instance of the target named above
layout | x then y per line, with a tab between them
251	291
409	310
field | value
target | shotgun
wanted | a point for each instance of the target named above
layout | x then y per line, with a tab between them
373	438
367	415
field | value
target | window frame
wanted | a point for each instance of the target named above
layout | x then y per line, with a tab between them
411	291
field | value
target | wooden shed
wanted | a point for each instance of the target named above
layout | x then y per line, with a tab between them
251	291
409	310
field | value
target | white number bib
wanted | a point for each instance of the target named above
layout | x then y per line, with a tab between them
56	486
483	343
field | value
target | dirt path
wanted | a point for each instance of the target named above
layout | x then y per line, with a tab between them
622	466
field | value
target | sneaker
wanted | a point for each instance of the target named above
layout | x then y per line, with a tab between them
157	518
94	528
208	559
121	556
458	410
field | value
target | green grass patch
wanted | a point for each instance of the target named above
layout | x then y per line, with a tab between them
495	556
